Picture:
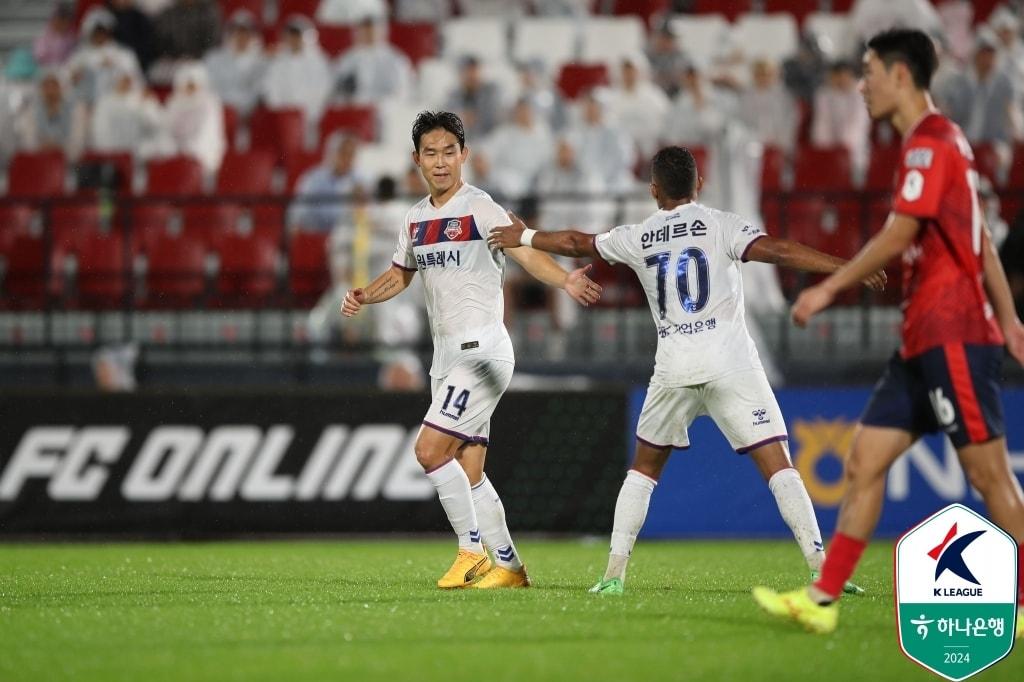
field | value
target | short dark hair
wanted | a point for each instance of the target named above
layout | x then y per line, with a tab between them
675	171
432	120
911	47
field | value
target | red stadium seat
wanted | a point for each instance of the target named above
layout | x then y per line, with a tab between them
286	8
417	40
36	174
576	79
308	273
267	221
211	223
882	169
281	131
730	8
246	173
773	163
826	225
334	40
229	7
70	223
230	125
356	120
988	163
175	272
798	8
174	176
121	161
82	8
24	279
16	220
148	223
104	271
248	271
645	9
298	165
1015	180
821	169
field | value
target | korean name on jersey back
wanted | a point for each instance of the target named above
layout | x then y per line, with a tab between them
673	231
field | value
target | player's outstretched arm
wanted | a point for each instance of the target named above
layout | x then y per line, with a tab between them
544	268
564	243
388	285
789	254
1002	300
892	240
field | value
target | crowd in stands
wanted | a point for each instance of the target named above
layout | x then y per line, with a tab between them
161	79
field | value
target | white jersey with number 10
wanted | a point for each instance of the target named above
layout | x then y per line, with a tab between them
688	261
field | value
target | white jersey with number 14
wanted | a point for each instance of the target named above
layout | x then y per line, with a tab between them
688	262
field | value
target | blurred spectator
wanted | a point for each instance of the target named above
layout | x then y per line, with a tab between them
768	110
134	29
601	146
129	119
803	73
17	91
546	101
317	207
373	71
351	11
579	207
519	150
431	11
563	8
298	75
947	77
666	59
699	111
982	100
53	120
96	63
113	368
637	105
187	29
492	8
840	117
956	17
869	17
475	100
1011	48
57	41
195	117
237	67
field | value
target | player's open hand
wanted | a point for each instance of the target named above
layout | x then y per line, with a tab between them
507	237
1015	341
809	303
582	289
353	302
876	281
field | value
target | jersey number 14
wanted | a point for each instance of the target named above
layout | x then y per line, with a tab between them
690	303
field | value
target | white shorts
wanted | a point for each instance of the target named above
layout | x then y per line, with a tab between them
742	404
464	399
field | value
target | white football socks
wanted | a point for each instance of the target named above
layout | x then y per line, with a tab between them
798	513
453	490
490	512
630	512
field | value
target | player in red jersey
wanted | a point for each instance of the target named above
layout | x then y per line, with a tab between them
957	314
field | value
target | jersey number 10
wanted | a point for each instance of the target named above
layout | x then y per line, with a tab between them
689	302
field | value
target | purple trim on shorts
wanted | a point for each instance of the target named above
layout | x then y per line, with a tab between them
662	447
482	481
402	267
469	439
773	439
430	471
743	258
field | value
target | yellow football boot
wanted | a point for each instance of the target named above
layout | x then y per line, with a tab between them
502	577
468	567
798	606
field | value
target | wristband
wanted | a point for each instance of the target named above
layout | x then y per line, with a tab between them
526	238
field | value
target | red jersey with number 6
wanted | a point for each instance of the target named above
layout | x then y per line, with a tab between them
944	298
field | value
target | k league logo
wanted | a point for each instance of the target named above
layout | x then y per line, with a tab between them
956	586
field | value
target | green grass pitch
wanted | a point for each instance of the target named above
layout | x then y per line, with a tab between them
354	610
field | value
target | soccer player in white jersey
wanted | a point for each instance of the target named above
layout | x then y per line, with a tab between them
687	257
443	238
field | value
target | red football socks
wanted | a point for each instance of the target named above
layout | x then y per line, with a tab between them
840	561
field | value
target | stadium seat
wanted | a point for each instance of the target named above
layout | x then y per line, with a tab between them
286	8
839	41
16	220
229	7
174	176
576	79
773	162
356	120
486	38
437	77
418	40
230	126
769	36
647	10
150	221
551	40
265	221
25	273
799	9
103	274
280	130
334	39
121	161
833	227
70	223
377	161
988	162
36	174
882	169
609	39
1015	179
211	223
730	9
247	276
308	273
297	165
175	272
700	36
246	173
822	169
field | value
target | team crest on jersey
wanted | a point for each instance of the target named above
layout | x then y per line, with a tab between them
453	229
919	157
